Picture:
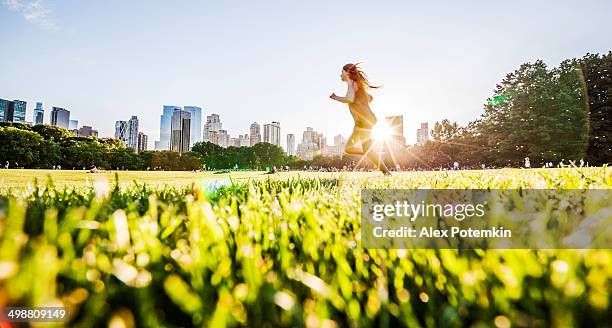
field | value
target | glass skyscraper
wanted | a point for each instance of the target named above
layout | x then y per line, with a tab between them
121	131
196	124
180	126
60	117
12	111
165	128
132	133
39	113
4	110
19	111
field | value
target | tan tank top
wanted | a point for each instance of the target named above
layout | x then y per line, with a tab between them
360	109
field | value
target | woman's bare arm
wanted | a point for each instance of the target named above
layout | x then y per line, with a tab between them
349	98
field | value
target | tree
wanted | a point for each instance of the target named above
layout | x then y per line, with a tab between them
445	131
20	147
268	154
83	154
124	158
190	161
20	126
51	132
112	143
541	116
50	154
146	158
205	149
596	72
166	160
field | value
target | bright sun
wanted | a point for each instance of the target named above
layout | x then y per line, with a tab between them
381	132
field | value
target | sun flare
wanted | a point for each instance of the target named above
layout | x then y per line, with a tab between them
381	132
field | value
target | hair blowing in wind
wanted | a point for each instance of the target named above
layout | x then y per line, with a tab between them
358	75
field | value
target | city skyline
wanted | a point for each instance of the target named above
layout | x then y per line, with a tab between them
128	131
432	62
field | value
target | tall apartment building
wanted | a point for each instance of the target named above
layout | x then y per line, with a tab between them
396	125
143	141
132	133
313	143
422	134
290	144
121	131
211	127
271	133
254	133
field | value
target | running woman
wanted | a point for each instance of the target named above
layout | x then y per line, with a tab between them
358	100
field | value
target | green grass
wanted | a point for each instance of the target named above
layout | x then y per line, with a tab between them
181	249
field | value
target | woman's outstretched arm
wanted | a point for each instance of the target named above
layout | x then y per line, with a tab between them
349	98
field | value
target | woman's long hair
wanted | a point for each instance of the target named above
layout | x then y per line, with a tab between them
356	74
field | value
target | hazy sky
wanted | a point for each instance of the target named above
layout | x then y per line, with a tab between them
279	60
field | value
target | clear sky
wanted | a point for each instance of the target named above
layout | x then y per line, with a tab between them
279	60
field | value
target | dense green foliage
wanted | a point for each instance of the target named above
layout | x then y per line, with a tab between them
282	252
548	115
597	73
48	146
258	156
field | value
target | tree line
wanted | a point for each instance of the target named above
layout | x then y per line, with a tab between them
48	146
547	115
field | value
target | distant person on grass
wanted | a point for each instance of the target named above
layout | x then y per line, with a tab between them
358	100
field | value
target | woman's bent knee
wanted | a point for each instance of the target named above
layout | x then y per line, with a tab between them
353	151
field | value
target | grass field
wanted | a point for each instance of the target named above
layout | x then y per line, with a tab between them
505	178
183	249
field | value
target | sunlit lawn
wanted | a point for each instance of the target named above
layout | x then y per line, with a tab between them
419	179
276	250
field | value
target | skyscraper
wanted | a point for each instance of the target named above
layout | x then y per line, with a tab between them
132	133
60	117
121	131
422	134
73	124
312	144
255	134
19	111
196	124
244	140
223	139
272	133
290	144
396	125
39	113
180	127
212	126
4	110
143	140
165	127
12	111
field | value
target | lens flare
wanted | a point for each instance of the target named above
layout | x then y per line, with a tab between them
381	132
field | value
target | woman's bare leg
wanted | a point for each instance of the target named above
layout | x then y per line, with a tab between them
367	144
351	144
